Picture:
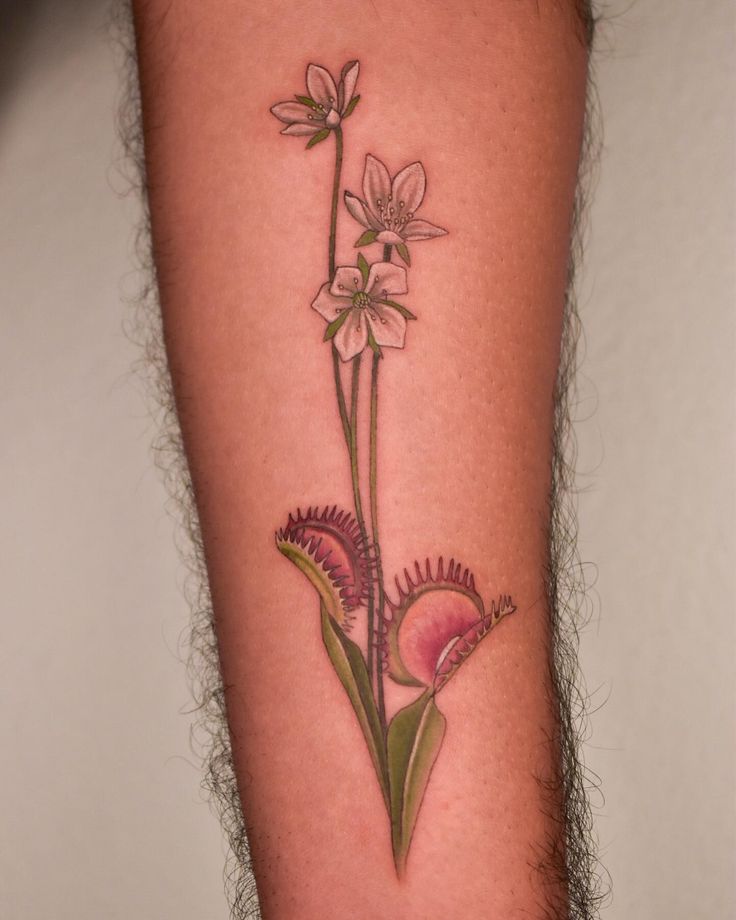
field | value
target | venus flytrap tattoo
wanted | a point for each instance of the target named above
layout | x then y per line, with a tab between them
420	635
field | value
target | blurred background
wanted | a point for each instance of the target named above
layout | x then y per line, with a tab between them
102	815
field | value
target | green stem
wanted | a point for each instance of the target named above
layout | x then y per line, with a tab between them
335	198
341	405
355	475
372	479
349	425
374	526
354	437
340	395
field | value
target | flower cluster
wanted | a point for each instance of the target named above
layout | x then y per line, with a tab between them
356	301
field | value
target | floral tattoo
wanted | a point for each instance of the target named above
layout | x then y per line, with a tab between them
419	636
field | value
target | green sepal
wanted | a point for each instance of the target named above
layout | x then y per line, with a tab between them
406	313
364	267
306	100
335	325
414	741
318	137
368	237
403	251
350	667
351	106
374	344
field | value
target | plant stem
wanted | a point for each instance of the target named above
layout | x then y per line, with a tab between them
374	526
372	479
355	475
335	197
349	425
340	395
331	274
354	437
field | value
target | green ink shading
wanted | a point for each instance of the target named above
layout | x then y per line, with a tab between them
414	740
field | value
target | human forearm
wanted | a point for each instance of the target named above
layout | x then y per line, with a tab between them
491	103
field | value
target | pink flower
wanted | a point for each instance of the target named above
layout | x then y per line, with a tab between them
357	308
325	106
388	209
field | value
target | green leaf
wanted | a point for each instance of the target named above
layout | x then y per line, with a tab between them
414	740
403	251
335	325
407	314
368	237
318	137
374	344
349	665
316	574
306	100
364	267
351	106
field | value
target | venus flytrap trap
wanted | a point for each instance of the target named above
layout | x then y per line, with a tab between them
422	635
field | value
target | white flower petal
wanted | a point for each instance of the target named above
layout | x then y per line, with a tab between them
333	118
409	186
360	212
327	305
390	237
348	280
387	325
421	230
290	112
302	130
348	79
385	279
352	337
376	183
321	86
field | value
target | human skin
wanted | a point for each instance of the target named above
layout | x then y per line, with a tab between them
490	98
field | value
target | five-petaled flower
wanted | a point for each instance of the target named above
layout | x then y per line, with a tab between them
388	209
325	106
357	308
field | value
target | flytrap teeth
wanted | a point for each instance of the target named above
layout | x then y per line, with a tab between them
503	607
332	539
453	575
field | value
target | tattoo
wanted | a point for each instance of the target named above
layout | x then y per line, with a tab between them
420	637
580	869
